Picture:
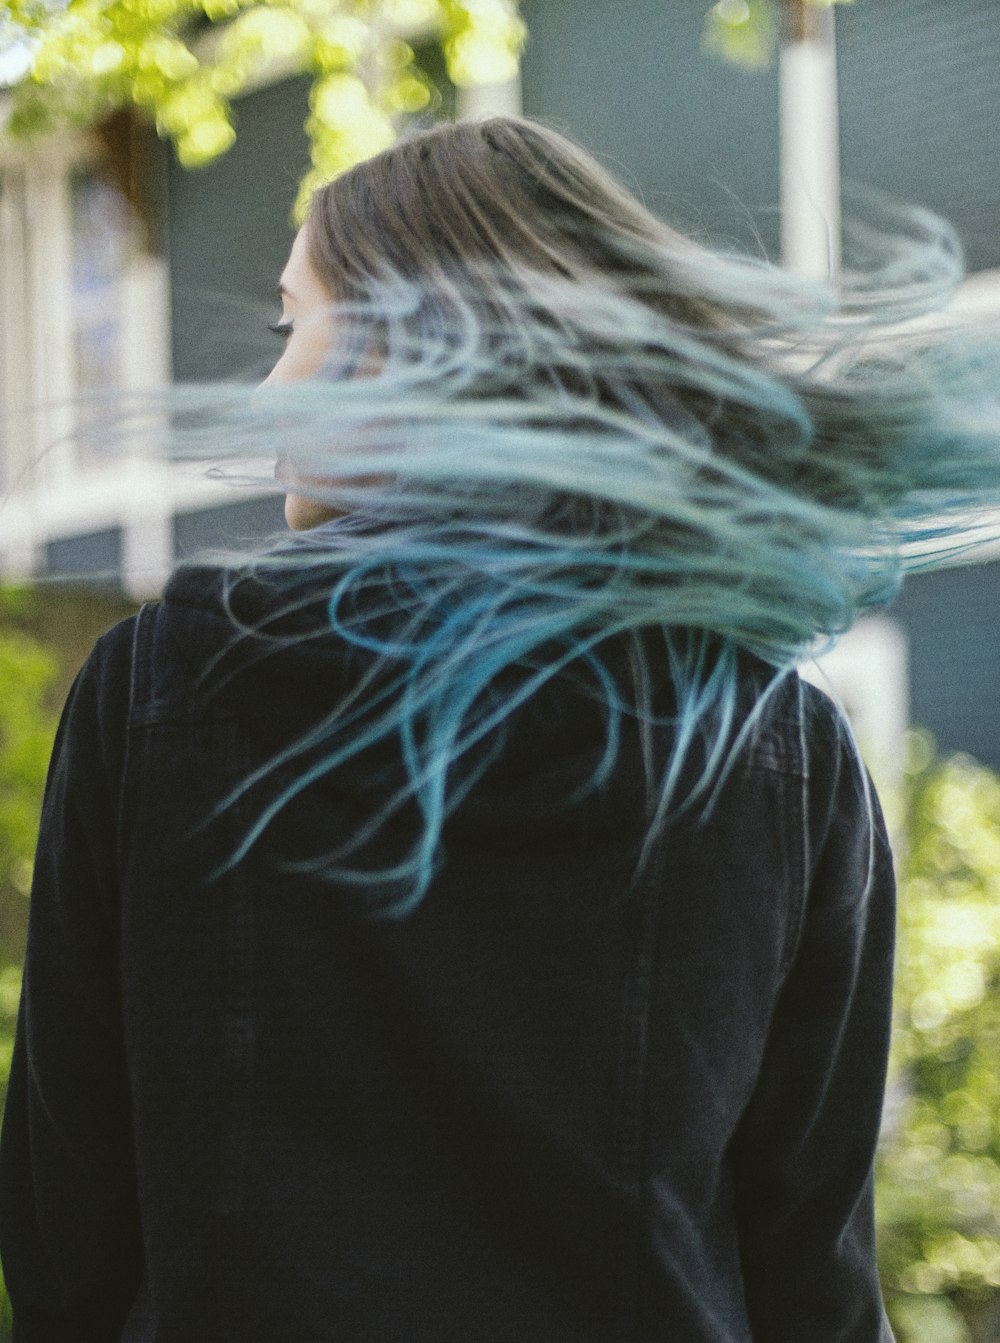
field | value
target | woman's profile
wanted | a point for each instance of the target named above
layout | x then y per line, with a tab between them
459	921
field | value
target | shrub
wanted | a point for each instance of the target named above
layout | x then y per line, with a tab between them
938	1191
28	671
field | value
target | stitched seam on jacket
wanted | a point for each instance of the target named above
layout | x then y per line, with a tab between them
630	1112
239	1050
800	857
136	696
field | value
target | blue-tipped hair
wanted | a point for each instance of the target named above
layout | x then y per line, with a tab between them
548	419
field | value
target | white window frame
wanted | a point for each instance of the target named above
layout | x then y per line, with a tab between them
49	490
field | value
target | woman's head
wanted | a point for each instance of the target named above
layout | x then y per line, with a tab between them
556	420
506	215
450	203
505	328
506	334
497	260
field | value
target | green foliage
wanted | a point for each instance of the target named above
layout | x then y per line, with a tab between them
10	995
939	1173
745	32
183	61
27	727
27	671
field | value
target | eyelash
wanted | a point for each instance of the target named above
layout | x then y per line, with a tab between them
282	329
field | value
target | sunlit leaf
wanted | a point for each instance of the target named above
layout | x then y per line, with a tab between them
746	32
939	1170
205	140
483	40
182	61
743	32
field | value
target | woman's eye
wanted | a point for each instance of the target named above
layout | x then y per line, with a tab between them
282	329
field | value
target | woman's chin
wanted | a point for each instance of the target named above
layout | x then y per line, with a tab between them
302	513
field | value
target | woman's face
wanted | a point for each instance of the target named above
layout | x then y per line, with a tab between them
307	331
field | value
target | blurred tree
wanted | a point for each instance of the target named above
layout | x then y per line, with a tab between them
182	61
939	1173
27	727
747	32
42	642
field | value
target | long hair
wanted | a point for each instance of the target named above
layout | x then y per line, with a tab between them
549	421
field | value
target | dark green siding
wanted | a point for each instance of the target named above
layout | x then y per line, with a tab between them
951	622
228	237
697	137
227	526
91	558
920	109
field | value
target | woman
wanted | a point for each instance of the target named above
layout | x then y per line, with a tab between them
459	922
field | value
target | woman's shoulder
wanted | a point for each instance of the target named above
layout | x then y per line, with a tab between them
161	643
105	677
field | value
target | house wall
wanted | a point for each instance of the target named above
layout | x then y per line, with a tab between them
920	109
94	558
698	138
951	623
229	231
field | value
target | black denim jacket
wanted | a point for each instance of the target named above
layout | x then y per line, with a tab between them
556	1104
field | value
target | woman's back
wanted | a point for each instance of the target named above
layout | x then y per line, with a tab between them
558	1101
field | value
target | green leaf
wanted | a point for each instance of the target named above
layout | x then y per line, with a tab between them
92	56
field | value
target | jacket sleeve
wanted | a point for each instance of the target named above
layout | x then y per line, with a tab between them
804	1152
69	1231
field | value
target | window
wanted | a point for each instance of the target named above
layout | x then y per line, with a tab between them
84	309
99	237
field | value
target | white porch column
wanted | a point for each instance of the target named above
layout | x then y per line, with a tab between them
50	285
490	100
147	540
16	437
146	516
810	142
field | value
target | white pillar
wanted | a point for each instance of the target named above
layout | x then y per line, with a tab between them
48	210
810	143
146	513
144	305
16	394
868	671
147	547
490	100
